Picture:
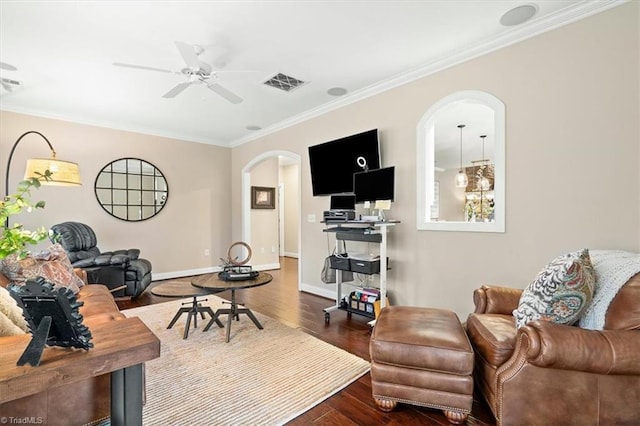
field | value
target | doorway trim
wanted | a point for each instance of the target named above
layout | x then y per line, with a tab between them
246	204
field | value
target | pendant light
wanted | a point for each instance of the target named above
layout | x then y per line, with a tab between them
461	178
484	184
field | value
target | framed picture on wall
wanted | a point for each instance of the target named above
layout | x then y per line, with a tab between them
263	197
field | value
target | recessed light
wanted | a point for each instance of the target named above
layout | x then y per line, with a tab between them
337	91
519	15
253	127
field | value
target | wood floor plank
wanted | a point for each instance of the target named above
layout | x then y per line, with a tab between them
354	405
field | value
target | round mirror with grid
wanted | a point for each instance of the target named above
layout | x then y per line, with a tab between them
131	189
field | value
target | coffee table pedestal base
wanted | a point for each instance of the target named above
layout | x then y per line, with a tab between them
233	312
192	312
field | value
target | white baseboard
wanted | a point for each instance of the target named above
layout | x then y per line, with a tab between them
266	267
185	273
290	254
208	270
329	292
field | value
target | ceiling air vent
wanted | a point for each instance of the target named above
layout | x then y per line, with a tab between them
284	82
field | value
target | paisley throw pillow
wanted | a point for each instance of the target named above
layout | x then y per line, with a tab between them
561	291
51	263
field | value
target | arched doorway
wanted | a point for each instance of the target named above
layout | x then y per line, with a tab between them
284	158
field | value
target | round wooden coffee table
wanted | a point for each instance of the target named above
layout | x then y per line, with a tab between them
184	289
212	283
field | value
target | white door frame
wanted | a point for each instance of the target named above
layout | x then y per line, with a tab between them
246	197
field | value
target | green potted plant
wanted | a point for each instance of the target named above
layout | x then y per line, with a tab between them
15	238
17	264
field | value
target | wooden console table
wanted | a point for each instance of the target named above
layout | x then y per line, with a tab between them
120	348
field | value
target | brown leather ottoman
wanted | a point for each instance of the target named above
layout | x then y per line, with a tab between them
422	356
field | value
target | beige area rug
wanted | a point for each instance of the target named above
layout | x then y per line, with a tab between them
261	377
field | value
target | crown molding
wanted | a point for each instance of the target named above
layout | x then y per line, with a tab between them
113	125
515	35
559	19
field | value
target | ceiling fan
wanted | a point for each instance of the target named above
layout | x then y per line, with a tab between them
197	72
7	83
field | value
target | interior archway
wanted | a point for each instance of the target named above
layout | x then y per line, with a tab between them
246	198
460	108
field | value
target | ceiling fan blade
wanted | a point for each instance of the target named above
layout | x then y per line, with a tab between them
225	93
188	55
141	67
9	84
9	81
7	67
176	90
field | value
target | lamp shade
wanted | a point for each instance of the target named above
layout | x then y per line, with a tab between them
484	184
462	180
63	173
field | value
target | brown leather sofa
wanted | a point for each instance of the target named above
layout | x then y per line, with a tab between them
79	403
547	373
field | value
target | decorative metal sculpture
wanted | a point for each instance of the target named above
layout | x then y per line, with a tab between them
232	266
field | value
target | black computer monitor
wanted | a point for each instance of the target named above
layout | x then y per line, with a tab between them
374	185
343	202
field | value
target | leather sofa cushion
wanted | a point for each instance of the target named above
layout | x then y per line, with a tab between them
624	310
493	336
421	338
97	300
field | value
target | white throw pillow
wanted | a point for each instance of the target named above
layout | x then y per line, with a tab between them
11	320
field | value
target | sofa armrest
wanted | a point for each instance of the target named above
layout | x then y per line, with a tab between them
548	345
496	300
133	254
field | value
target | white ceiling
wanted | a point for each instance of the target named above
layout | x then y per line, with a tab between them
64	53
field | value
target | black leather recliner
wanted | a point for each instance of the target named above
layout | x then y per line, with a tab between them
112	268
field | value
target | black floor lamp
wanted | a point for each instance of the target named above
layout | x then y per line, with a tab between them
63	173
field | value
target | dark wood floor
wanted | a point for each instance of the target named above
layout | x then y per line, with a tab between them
354	405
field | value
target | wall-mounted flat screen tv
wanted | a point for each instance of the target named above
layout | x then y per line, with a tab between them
374	185
333	163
